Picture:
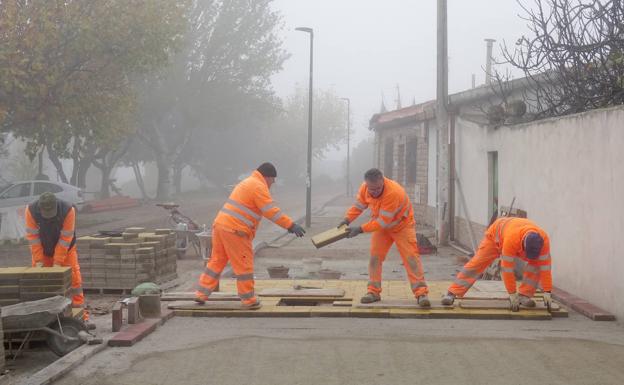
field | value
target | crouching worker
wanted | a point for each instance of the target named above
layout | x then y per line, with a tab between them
509	239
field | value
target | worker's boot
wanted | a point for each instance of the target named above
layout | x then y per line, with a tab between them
252	306
201	299
526	301
423	301
370	298
448	299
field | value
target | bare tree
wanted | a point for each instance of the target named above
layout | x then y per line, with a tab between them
573	57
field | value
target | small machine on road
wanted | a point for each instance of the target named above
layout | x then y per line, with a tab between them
188	232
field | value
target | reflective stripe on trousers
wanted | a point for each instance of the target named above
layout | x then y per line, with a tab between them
227	246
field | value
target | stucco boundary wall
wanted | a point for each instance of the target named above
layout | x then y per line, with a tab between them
568	174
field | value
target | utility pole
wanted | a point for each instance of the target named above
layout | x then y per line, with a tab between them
308	219
442	223
488	61
348	145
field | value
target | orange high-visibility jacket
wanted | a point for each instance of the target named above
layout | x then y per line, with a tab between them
248	202
392	210
66	235
509	233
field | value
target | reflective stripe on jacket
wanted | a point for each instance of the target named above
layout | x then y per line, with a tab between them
53	237
508	234
392	210
248	203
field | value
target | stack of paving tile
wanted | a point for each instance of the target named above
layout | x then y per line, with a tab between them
20	284
92	259
9	285
2	359
44	282
123	262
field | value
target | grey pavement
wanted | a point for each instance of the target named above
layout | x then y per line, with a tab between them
364	351
572	350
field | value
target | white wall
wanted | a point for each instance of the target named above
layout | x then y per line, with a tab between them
568	174
432	171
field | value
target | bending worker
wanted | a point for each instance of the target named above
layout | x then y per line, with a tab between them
51	232
510	238
392	221
235	227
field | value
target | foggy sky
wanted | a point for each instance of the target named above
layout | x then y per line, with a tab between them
365	47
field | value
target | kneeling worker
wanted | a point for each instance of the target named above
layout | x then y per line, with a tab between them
510	238
392	221
51	232
233	230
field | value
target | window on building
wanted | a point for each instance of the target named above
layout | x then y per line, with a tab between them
412	163
388	157
401	165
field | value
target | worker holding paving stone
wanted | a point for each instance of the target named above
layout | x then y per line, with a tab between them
392	221
510	238
51	233
234	229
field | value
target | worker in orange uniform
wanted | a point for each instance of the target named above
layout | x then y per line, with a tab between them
233	230
51	232
510	238
392	221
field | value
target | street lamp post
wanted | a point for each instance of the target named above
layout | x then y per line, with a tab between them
308	220
348	145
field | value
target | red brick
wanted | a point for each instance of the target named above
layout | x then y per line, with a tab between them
134	333
117	315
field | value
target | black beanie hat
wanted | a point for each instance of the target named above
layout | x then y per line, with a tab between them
267	169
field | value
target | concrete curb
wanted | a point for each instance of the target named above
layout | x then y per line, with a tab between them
580	305
63	365
134	333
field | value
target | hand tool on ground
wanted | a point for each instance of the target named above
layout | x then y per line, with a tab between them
300	287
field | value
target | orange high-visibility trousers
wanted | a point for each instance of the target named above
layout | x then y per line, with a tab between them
486	254
76	278
405	240
235	247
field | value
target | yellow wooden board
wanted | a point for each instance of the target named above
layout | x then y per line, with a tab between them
279	292
329	236
402	304
394	293
210	305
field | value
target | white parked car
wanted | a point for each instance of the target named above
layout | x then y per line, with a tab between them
25	192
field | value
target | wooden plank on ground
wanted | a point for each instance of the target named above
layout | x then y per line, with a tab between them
402	304
328	292
216	305
500	304
189	296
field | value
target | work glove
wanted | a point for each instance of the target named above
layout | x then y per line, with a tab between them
38	264
297	230
354	231
344	222
547	300
514	301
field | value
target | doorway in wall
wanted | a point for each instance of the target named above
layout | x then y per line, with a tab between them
492	185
